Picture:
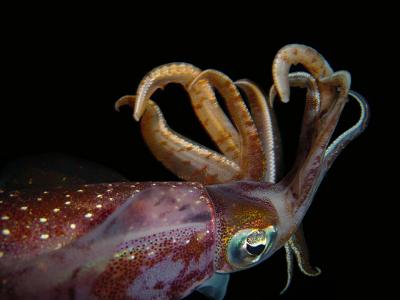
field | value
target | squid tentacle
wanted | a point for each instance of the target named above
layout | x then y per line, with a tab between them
289	267
203	100
265	122
159	77
341	79
336	147
301	80
333	86
252	162
298	245
295	54
183	157
311	110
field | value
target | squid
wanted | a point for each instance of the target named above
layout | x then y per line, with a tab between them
163	240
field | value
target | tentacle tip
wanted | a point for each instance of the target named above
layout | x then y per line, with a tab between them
317	272
117	107
124	100
284	98
312	273
284	290
137	116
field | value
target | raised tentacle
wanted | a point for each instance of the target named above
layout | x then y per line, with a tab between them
252	162
304	178
336	147
183	157
295	54
203	101
268	131
311	110
333	86
341	79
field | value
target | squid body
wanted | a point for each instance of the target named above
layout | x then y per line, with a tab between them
161	240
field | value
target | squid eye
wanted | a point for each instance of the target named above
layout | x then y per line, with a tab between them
256	242
248	246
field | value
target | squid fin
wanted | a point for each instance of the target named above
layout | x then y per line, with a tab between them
215	287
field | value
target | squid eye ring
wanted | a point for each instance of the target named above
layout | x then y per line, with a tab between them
248	246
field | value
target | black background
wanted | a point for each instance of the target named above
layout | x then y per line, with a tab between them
62	75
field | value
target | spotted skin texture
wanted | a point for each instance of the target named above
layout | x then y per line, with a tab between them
162	266
43	220
113	251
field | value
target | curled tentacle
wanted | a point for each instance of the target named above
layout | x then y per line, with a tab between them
158	78
295	54
298	245
203	101
341	79
333	86
265	122
183	157
252	162
123	101
289	267
301	80
345	138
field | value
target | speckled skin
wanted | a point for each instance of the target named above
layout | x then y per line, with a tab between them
106	241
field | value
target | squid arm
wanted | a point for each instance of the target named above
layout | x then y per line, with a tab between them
203	100
183	157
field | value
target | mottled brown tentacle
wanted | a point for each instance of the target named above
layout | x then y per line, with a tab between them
295	54
268	131
183	157
252	162
340	79
333	86
203	100
301	80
